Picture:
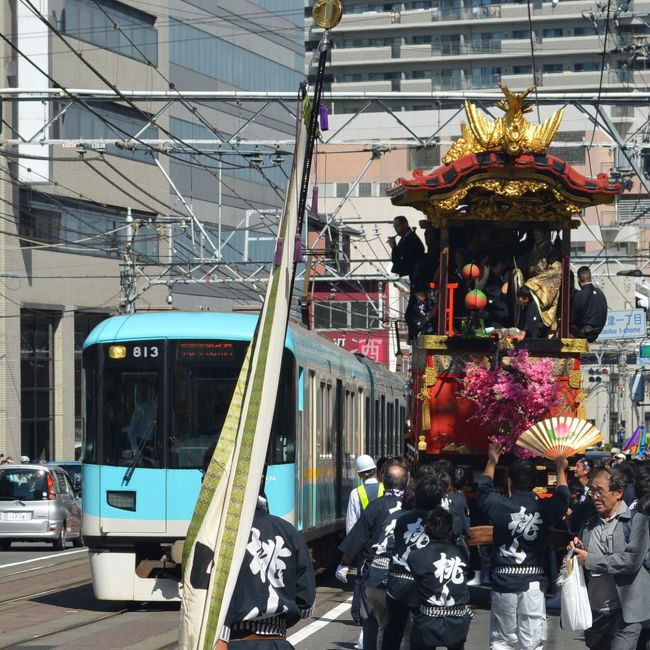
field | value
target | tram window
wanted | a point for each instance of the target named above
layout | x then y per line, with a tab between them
325	420
131	416
203	379
88	406
383	427
377	431
282	445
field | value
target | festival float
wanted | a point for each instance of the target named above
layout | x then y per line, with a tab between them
499	200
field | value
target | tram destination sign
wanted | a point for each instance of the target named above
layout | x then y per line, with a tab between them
624	324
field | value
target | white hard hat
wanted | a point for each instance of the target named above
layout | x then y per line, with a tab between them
365	463
24	459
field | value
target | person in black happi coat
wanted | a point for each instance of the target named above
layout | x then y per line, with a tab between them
440	571
401	589
276	586
521	525
370	539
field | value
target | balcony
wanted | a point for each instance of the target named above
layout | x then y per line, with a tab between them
577	44
370	86
416	85
560	11
346	56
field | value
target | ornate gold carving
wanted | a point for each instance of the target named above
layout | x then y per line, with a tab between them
512	133
504	200
432	342
575	346
430	376
575	379
580	396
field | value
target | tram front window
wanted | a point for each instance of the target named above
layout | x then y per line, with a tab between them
204	376
131	424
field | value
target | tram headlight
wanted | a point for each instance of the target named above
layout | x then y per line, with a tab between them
117	352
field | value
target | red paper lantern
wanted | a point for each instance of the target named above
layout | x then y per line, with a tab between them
471	271
475	299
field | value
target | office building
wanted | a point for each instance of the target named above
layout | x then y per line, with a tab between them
65	196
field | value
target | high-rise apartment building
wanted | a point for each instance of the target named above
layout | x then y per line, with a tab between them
464	45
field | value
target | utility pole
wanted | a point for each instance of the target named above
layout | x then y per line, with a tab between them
127	269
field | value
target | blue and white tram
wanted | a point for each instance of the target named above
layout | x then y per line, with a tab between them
157	389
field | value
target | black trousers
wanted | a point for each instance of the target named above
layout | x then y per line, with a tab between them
394	631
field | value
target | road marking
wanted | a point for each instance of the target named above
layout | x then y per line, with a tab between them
310	629
45	557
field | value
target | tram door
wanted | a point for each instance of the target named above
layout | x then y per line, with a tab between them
339	423
132	484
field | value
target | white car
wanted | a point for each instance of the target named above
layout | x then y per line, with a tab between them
38	503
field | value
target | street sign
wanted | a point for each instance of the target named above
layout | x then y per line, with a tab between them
624	324
644	352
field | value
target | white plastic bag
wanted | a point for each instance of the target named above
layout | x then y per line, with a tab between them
574	601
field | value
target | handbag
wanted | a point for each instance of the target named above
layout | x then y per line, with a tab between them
575	610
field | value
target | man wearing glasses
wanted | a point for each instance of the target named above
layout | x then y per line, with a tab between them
612	547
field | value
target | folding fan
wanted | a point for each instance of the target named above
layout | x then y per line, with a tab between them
559	437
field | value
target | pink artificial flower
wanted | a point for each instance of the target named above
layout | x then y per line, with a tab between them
512	397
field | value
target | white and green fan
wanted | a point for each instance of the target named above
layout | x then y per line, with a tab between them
559	437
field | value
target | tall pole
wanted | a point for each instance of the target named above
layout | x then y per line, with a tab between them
327	14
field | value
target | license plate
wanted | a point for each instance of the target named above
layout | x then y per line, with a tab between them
17	516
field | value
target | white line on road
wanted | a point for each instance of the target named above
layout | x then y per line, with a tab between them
310	629
44	557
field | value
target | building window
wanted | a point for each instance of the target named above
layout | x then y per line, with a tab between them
552	67
84	323
110	122
591	66
365	189
217	58
574	155
85	227
363	316
186	130
37	383
522	69
135	38
424	157
339	314
342	189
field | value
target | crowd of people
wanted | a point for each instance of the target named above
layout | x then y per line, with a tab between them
409	541
24	460
518	271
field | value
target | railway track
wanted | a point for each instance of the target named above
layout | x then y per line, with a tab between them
47	601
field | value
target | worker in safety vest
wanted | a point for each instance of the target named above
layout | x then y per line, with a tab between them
360	497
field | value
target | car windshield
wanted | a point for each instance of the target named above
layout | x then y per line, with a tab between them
23	483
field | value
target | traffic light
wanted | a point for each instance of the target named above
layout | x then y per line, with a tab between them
597	374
